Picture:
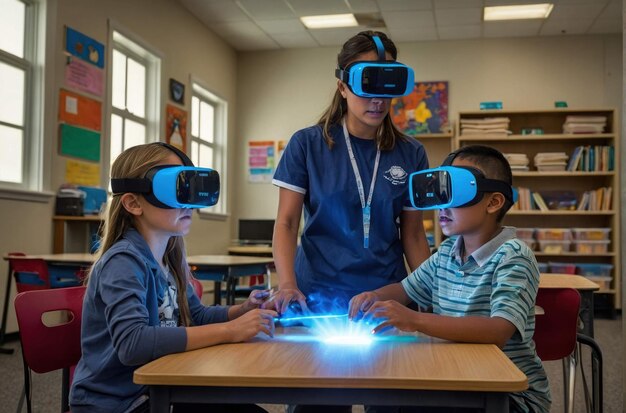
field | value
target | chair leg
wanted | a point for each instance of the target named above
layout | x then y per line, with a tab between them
27	387
20	403
571	384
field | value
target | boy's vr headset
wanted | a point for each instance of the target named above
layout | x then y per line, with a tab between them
383	78
174	186
453	187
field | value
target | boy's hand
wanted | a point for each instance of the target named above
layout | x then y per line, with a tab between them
250	324
283	297
256	299
360	303
395	315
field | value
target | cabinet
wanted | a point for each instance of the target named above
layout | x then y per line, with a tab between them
550	125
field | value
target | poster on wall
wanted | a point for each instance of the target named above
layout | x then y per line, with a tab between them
177	91
84	77
79	143
80	110
260	161
82	173
281	148
425	110
176	127
84	47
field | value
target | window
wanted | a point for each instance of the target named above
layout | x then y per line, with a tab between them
208	138
134	95
20	145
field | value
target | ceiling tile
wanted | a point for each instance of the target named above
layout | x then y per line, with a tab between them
408	19
334	37
613	25
459	32
245	36
212	11
267	9
457	4
317	7
363	6
295	40
569	26
612	10
512	28
575	11
281	26
413	34
395	5
458	17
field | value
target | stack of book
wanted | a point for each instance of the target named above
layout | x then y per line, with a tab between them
596	200
551	161
496	127
518	161
584	124
597	158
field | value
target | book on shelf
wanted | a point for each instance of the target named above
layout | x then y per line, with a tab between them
540	202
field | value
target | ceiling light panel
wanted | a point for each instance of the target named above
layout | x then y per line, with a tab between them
525	11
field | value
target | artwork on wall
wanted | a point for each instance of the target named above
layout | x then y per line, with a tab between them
177	91
176	127
84	47
261	159
425	110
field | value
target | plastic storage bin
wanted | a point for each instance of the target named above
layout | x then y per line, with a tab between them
525	233
562	267
554	247
593	234
554	234
591	247
594	270
603	282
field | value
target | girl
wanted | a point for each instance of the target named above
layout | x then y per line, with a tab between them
139	304
349	173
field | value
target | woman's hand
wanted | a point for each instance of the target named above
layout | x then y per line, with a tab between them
360	303
250	324
394	314
283	297
255	300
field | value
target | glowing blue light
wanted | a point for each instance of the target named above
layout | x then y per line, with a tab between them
349	340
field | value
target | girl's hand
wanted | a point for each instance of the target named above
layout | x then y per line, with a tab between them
283	297
360	303
250	324
394	314
255	299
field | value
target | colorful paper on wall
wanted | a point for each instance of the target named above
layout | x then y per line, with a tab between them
84	47
281	148
80	110
176	127
79	143
84	77
260	161
425	110
82	173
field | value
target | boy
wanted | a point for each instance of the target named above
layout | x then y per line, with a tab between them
482	282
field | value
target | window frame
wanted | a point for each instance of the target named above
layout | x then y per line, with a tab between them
220	142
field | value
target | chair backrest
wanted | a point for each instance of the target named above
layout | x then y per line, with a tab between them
47	348
197	286
556	329
29	273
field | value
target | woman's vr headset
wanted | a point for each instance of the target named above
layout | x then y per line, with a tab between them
453	187
383	78
174	186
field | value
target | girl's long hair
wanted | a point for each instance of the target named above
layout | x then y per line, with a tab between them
387	133
134	163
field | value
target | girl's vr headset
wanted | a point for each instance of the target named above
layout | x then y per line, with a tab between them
383	78
174	186
453	187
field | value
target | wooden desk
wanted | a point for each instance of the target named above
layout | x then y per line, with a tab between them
251	250
423	371
584	286
60	229
228	268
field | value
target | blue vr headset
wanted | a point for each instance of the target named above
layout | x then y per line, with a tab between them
453	187
174	186
383	78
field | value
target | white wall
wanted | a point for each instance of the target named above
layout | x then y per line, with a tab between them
282	91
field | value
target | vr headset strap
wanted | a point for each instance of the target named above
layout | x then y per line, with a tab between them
138	186
379	48
493	185
182	155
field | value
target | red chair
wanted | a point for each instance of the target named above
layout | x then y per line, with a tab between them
30	274
197	286
556	334
47	348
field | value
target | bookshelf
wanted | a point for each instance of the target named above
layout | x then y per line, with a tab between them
551	123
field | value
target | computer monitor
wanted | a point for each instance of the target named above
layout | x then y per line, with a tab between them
256	231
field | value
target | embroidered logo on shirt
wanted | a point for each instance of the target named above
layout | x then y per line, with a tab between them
396	175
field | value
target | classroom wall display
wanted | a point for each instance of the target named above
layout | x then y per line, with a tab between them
82	173
83	76
177	91
176	127
80	110
261	161
79	143
84	47
425	110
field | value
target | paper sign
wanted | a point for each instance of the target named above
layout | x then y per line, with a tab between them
80	143
260	161
82	173
84	47
84	77
80	110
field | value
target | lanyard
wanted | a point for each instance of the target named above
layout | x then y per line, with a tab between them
359	184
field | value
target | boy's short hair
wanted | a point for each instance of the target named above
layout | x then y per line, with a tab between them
493	164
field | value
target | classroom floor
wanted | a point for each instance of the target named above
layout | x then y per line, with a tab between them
47	387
